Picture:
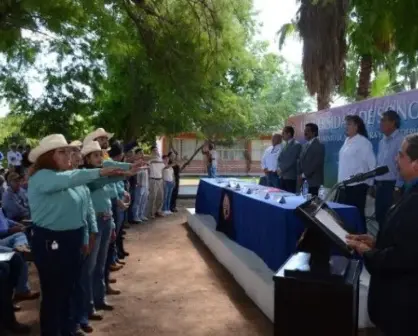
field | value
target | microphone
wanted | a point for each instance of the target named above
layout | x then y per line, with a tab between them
365	176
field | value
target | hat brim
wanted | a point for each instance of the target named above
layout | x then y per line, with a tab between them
94	135
38	151
90	151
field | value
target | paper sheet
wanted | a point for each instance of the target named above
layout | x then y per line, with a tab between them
331	224
6	256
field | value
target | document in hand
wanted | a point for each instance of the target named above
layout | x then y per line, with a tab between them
6	256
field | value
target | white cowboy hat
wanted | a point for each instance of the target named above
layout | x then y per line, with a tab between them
92	146
76	143
100	132
49	143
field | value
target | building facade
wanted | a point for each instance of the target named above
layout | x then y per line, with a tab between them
242	158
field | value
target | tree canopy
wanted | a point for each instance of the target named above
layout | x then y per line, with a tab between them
142	68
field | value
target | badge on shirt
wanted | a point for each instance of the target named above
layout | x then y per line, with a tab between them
54	245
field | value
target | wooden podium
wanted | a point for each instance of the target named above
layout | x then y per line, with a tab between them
311	304
317	293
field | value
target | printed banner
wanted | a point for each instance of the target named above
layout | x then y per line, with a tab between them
332	126
226	214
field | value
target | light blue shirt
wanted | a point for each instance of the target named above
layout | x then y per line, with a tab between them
91	222
15	204
102	191
119	187
5	223
60	201
386	156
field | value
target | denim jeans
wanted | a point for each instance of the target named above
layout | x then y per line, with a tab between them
58	258
83	297
140	203
168	190
211	171
22	283
14	240
102	242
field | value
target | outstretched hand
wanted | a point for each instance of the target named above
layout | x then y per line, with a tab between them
112	172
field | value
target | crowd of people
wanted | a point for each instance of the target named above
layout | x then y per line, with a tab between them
391	258
65	207
287	164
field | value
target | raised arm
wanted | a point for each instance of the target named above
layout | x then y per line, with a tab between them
116	164
48	181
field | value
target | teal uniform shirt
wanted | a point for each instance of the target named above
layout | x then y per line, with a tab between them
119	187
60	201
91	222
102	191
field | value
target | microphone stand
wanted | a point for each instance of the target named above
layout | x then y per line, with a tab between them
336	186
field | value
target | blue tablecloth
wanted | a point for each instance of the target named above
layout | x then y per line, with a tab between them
266	227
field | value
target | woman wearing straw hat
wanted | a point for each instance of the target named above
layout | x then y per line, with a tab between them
59	206
101	194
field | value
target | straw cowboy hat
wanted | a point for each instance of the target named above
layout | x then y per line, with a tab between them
100	132
92	146
76	143
49	143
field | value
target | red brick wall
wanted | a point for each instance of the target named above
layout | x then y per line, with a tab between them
197	167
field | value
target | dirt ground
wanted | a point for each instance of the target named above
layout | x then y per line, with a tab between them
171	285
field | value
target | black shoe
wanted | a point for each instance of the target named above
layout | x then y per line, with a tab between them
125	253
174	210
105	306
95	316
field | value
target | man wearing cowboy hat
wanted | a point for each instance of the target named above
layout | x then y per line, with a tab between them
102	137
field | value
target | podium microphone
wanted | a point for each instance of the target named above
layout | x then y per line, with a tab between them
355	179
365	176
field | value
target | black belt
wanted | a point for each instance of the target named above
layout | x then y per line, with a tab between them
157	179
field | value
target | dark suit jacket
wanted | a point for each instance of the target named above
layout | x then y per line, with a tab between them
311	163
288	160
393	266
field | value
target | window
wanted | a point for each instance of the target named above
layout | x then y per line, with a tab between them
232	153
187	147
258	148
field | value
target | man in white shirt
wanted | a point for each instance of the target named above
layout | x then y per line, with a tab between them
269	162
156	185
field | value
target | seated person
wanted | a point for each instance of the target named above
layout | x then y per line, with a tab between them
9	275
12	234
14	201
22	290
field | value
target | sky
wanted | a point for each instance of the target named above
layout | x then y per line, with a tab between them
272	14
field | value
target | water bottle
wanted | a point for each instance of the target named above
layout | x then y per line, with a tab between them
305	188
321	192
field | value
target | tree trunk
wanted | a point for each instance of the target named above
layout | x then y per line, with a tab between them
191	158
413	79
323	101
247	156
366	68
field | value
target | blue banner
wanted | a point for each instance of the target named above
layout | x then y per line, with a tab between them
332	125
